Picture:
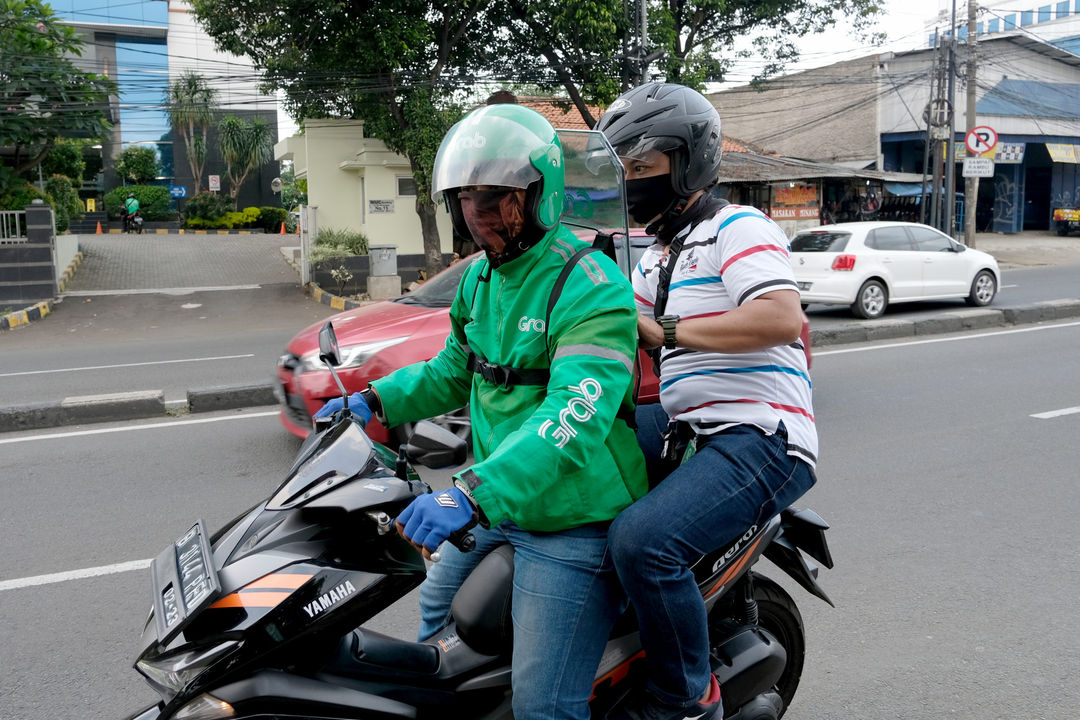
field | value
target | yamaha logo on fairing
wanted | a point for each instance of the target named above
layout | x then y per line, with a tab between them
734	549
327	600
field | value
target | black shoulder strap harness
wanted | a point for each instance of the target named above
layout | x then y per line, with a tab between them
506	375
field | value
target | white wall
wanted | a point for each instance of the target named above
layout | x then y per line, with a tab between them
346	173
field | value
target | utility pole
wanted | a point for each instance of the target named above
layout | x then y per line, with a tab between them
950	152
643	67
939	106
971	184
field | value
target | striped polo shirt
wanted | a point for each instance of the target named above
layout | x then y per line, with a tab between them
726	261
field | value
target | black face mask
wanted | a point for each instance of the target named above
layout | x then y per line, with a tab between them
648	197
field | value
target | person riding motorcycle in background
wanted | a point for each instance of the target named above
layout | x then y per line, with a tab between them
555	458
131	209
718	296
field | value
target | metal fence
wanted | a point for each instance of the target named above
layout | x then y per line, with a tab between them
12	226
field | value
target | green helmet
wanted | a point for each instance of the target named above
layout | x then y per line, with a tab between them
505	145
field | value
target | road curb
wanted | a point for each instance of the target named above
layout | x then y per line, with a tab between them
142	404
334	301
956	321
230	397
83	409
41	309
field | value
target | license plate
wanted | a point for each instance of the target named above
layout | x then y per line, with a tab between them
804	285
184	581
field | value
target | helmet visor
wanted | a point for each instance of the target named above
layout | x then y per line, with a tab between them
490	150
638	147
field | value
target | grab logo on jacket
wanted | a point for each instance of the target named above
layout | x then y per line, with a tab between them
580	408
526	323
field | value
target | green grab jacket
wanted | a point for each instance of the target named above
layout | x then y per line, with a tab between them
547	458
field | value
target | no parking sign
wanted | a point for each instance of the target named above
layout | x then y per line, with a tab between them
981	139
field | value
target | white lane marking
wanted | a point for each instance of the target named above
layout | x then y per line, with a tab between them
1057	413
954	338
159	291
126	365
1007	286
130	428
19	583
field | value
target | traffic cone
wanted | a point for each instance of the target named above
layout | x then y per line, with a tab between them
282	229
98	228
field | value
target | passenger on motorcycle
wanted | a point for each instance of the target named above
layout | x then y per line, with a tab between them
718	300
555	458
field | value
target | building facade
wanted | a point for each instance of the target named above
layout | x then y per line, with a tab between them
872	113
143	45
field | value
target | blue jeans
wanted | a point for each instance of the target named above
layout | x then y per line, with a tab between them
566	599
737	478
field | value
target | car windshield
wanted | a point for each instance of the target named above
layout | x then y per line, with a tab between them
440	290
820	242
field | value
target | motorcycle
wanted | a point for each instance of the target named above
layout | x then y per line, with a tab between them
264	618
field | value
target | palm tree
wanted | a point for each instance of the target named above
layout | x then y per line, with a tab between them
244	147
191	103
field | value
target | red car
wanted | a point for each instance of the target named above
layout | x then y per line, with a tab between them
379	338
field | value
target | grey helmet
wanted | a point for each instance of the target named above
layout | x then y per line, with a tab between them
673	119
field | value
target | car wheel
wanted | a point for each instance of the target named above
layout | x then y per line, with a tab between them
983	289
457	422
871	300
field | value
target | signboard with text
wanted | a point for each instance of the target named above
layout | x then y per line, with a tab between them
794	201
978	167
214	182
380	206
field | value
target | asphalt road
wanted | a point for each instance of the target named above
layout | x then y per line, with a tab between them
154	341
951	508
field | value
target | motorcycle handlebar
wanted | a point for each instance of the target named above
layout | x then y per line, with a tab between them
462	539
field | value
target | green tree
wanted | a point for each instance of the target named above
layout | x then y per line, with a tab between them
43	95
244	147
137	164
191	103
402	68
593	49
66	158
293	191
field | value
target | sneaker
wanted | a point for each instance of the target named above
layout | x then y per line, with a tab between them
644	706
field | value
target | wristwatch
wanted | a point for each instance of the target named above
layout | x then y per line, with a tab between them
668	323
465	482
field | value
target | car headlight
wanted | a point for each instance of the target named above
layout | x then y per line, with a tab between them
169	674
351	355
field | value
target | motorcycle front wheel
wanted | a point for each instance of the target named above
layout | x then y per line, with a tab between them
780	617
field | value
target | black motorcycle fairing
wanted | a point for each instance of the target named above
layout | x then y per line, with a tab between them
339	454
716	571
275	693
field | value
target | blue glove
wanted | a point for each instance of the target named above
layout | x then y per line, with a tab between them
432	518
357	406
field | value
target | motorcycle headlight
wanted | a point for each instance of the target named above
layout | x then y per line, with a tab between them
351	355
169	674
205	707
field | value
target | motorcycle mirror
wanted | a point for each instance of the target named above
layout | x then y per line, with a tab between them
329	352
435	447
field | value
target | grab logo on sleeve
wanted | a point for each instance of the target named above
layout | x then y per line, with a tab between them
580	408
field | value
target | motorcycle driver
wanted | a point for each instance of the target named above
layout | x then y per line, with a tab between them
718	297
555	458
131	206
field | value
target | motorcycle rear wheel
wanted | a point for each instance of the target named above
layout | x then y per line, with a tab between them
779	615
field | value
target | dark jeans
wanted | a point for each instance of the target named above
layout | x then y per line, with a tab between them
737	478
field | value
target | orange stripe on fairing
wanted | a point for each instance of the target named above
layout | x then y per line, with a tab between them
251	600
735	569
618	673
279	581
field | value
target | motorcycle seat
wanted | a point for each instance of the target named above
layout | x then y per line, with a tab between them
481	607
